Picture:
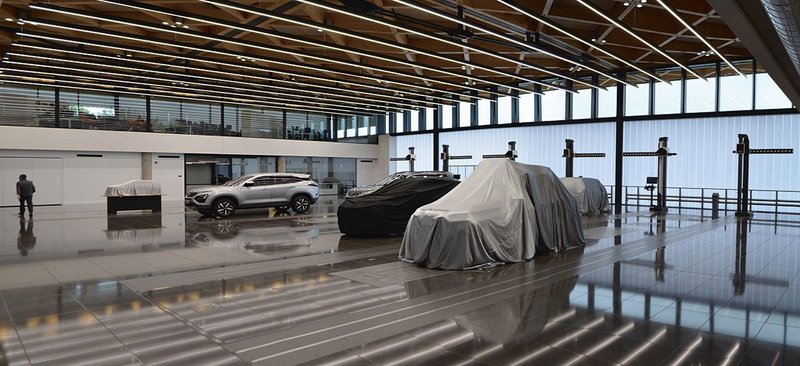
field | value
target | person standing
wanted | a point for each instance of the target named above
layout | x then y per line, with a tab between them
25	191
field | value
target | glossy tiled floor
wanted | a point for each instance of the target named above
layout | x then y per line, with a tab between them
78	287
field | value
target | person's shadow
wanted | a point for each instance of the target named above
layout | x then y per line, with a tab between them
25	239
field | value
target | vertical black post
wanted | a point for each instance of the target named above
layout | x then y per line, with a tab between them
620	126
117	109
148	119
493	108
411	157
743	179
753	99
422	119
537	103
568	102
651	109
284	126
663	154
473	109
683	91
335	128
716	86
436	140
446	158
57	106
222	119
381	127
515	106
569	155
594	105
740	272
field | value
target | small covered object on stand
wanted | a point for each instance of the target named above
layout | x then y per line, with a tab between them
134	195
505	212
385	212
590	195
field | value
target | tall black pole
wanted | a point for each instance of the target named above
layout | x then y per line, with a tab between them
569	154
663	154
620	125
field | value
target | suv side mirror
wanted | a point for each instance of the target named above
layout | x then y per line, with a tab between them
248	184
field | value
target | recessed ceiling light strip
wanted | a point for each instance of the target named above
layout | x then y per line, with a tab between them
70	71
620	25
541	19
269	33
688	26
93	87
183	90
341	10
245	66
367	38
450	17
180	75
233	41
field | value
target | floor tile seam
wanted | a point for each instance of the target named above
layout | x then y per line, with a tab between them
569	264
313	259
16	333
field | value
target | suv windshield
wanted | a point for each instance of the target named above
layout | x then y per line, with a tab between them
237	181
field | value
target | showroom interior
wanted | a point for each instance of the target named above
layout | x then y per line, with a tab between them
504	182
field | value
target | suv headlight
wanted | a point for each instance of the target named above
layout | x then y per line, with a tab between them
201	198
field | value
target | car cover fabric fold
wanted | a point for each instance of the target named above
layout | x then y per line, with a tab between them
504	212
589	193
386	211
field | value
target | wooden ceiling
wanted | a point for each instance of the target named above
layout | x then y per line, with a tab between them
349	56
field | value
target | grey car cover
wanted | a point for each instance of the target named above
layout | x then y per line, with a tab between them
589	193
504	212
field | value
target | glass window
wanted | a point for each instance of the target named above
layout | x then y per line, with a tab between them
527	107
582	102
132	111
233	125
736	91
340	127
447	116
398	125
27	106
554	105
607	99
484	112
201	118
414	120
429	118
363	125
464	114
81	109
165	115
259	122
701	94
637	99
318	127
504	110
668	95
350	125
769	94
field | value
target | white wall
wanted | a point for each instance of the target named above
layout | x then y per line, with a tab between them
168	171
84	178
370	171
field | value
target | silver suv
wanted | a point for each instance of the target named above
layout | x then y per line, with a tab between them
279	190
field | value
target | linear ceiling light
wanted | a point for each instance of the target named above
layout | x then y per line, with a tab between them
268	33
633	34
481	28
187	91
541	19
226	40
93	87
341	10
180	75
254	93
217	62
688	26
344	32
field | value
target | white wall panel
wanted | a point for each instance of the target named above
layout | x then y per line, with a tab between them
46	174
704	147
423	149
540	145
168	171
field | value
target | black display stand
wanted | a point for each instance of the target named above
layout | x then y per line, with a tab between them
126	203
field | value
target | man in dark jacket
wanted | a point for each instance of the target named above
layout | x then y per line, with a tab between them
25	191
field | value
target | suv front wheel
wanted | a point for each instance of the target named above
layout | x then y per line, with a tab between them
224	207
301	203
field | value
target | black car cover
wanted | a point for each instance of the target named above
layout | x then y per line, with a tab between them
386	211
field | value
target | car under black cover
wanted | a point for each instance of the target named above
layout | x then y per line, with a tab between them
386	211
